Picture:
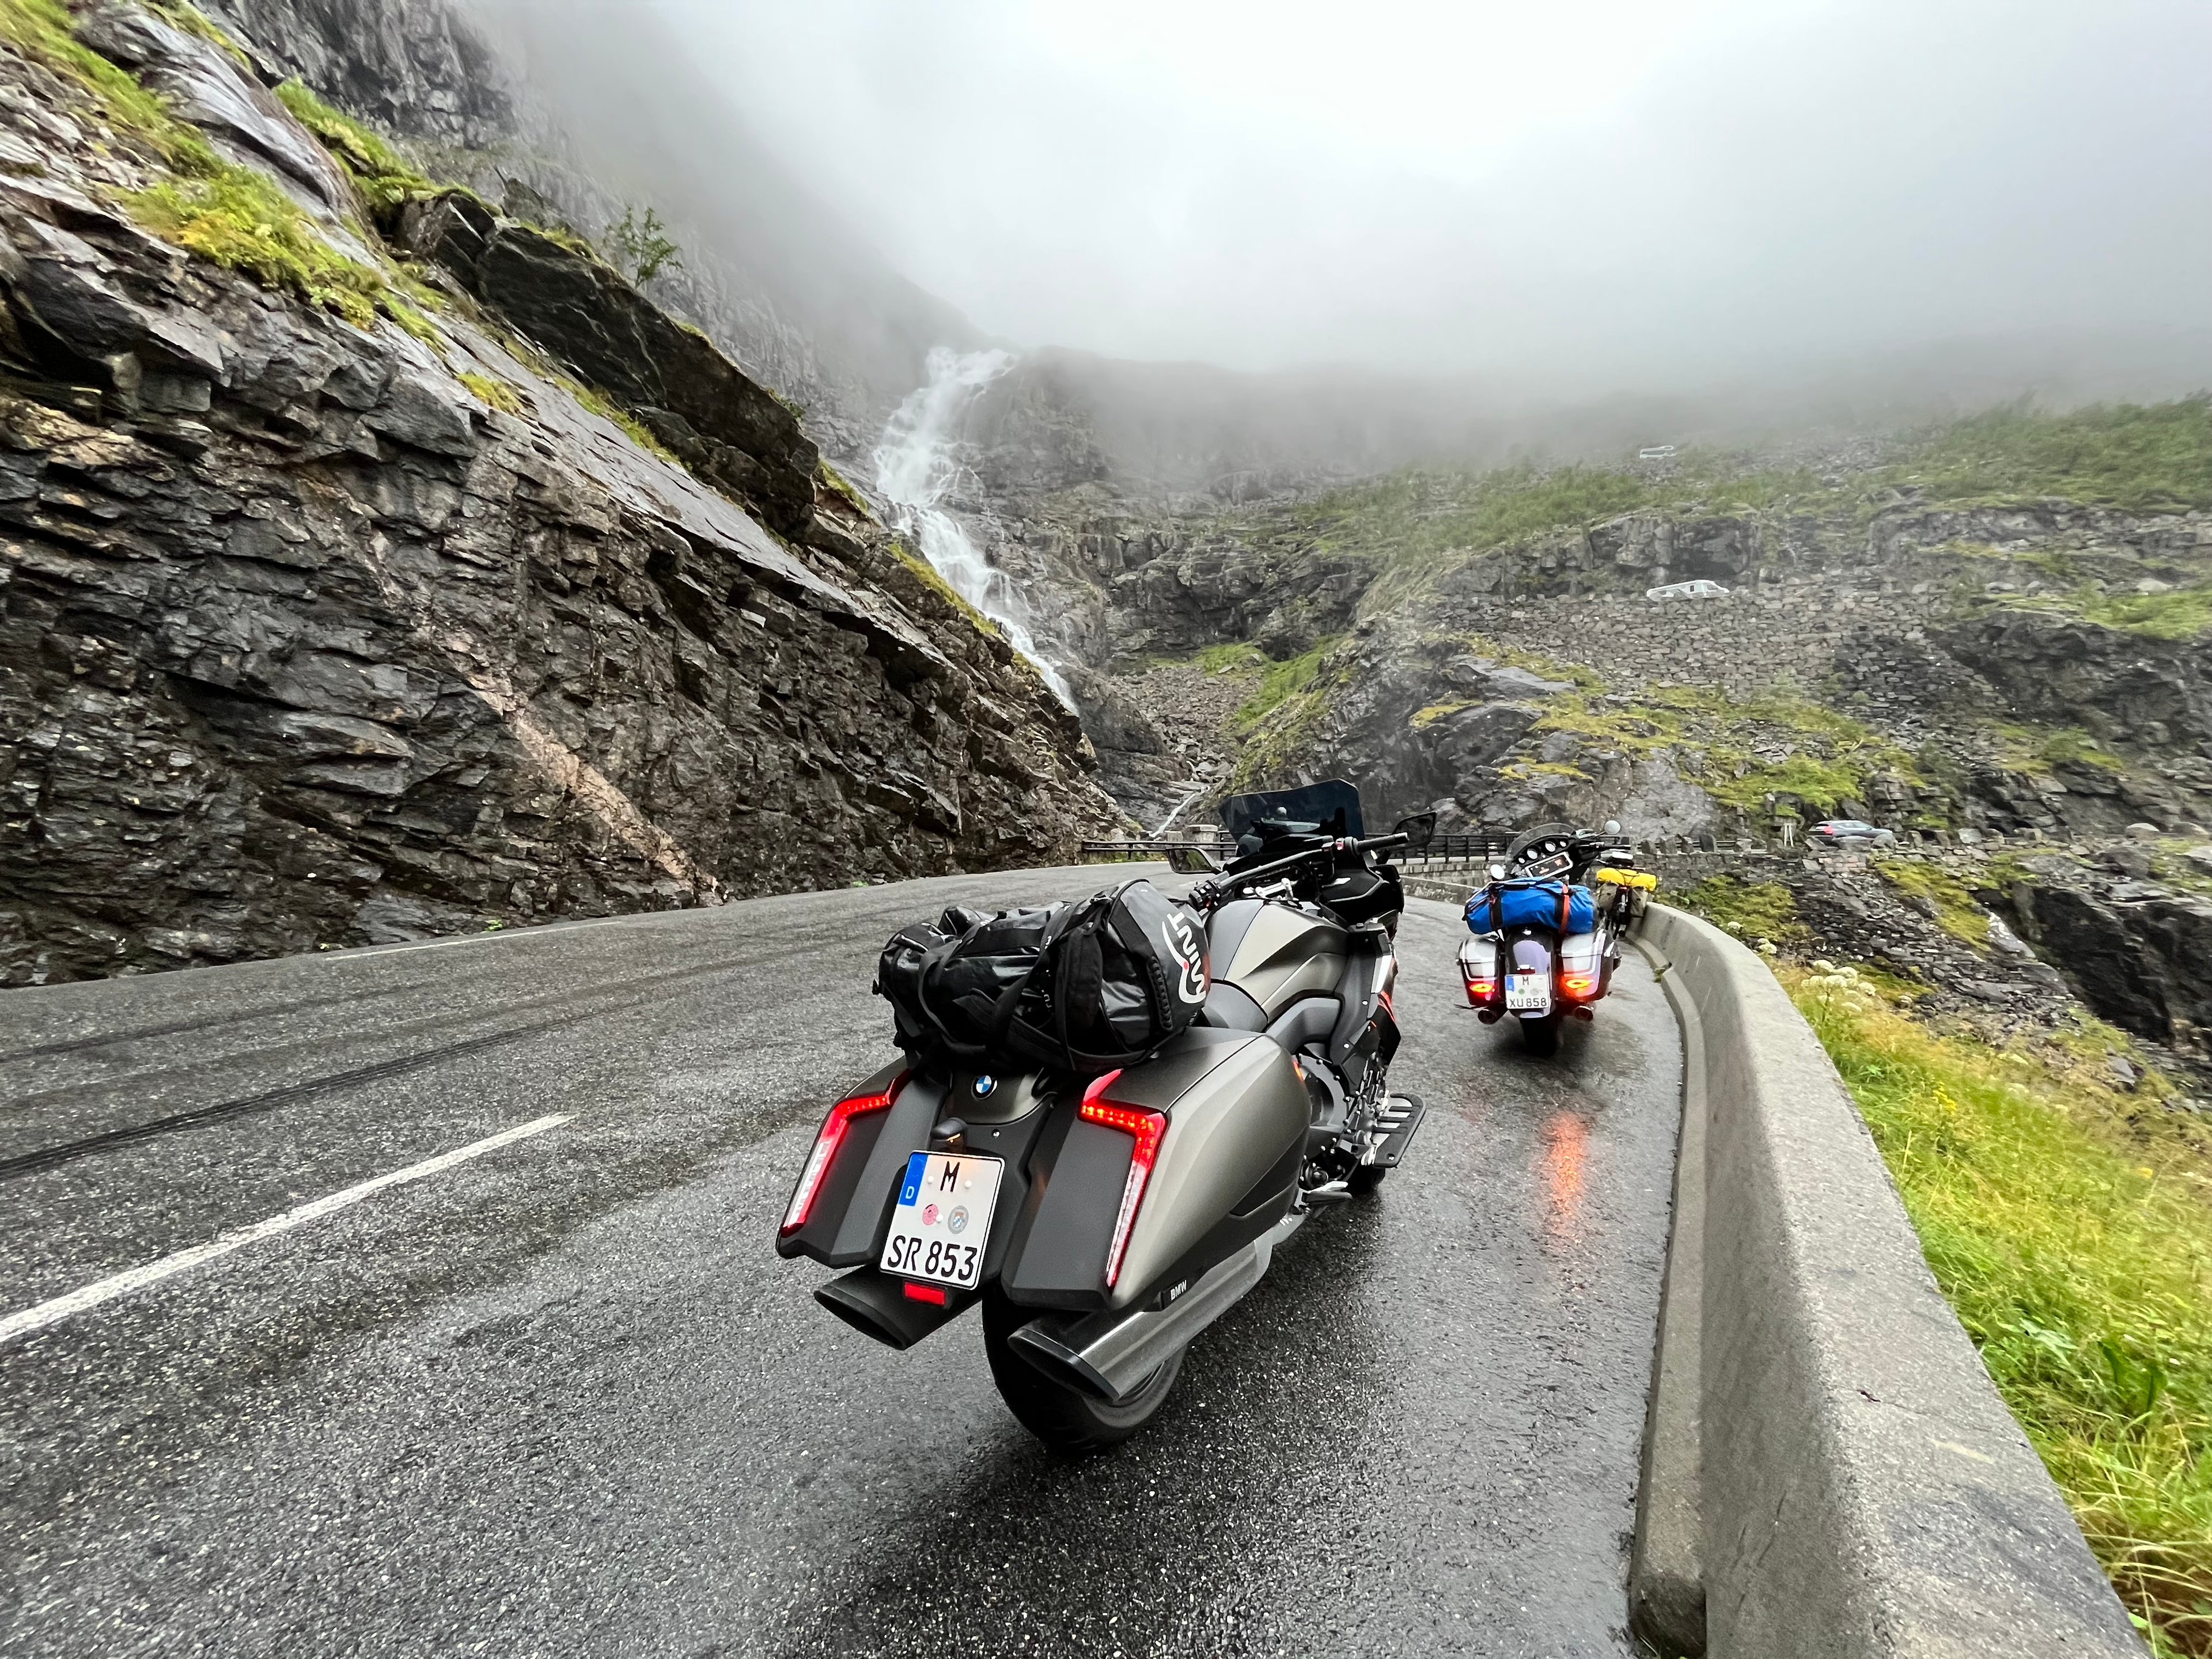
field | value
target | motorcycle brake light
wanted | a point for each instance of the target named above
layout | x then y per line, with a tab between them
1577	985
934	1294
1146	1128
1481	990
827	1140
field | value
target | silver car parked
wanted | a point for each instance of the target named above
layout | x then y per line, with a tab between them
1850	832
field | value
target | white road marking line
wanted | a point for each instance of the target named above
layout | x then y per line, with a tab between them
137	1278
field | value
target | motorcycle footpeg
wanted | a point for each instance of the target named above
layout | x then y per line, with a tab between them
1401	1115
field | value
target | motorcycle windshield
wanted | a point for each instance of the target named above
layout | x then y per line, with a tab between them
1316	809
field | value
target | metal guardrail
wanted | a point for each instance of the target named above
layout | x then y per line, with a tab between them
1155	847
1444	849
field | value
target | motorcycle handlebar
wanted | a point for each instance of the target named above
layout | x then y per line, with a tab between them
1221	886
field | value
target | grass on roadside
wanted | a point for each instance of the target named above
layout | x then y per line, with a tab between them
2071	1228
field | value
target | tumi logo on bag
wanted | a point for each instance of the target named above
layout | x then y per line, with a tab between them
1188	948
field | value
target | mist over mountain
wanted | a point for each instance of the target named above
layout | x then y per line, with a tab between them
1605	199
1705	229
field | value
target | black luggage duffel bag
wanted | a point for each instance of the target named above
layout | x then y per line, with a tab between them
1081	987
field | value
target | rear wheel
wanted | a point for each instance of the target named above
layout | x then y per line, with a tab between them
1541	1036
1067	1419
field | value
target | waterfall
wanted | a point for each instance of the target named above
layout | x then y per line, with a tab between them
917	464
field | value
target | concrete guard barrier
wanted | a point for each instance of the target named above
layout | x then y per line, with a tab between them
1828	1471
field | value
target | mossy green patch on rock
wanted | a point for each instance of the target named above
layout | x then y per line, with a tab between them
234	215
1955	911
192	21
1753	911
607	409
385	177
1726	746
494	394
926	573
2183	614
1279	683
1235	658
1276	721
237	216
2139	457
2072	746
834	481
41	28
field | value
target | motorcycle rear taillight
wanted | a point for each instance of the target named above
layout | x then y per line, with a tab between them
1146	1128
827	1139
1479	991
1577	985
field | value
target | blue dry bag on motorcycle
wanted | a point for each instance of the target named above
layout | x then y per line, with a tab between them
1539	904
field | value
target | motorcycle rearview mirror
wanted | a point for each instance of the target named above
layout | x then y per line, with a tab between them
1498	872
1613	826
1418	831
1192	861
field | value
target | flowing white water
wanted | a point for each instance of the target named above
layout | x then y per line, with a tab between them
917	464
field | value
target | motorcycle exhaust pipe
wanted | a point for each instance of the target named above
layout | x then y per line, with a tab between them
869	1299
1111	1355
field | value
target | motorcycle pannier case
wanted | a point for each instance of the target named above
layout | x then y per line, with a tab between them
1080	987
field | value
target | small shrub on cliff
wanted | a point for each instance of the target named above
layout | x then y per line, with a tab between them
2073	1233
641	245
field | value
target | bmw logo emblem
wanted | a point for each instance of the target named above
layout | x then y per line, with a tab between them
984	1084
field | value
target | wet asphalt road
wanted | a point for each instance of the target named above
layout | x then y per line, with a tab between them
565	1399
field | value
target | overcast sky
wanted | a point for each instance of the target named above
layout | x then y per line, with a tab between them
1598	194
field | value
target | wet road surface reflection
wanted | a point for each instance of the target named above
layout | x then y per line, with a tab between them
1566	1148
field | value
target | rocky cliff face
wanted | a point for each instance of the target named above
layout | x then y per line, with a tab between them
569	113
327	630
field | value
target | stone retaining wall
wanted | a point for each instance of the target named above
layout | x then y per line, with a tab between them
1743	643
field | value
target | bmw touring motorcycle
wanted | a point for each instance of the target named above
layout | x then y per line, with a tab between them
1548	929
1110	1113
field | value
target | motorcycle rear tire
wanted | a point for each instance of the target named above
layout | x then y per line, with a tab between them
1541	1037
1067	1419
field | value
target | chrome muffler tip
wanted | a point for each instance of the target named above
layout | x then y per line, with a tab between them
1062	1364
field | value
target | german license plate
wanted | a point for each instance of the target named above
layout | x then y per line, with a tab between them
942	1219
1529	993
